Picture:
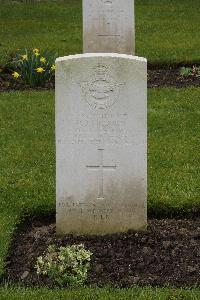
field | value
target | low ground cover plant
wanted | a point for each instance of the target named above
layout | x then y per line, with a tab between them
188	71
33	67
65	265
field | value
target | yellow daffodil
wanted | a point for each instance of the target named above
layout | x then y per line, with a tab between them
25	57
16	75
36	50
40	70
53	67
43	60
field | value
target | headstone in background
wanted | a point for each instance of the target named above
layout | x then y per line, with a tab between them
108	26
101	143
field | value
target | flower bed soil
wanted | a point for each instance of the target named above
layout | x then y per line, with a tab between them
156	78
167	254
170	78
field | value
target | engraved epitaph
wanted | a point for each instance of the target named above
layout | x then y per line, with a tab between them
101	143
108	26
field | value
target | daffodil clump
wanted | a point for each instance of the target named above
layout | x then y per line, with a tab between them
65	265
34	67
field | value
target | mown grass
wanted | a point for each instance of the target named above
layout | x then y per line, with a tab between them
27	160
137	293
173	166
166	30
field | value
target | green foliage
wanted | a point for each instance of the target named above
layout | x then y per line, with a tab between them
32	67
188	71
185	72
66	265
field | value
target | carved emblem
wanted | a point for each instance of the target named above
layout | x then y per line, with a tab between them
107	2
101	91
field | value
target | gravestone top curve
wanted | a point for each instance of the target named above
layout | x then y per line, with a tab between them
91	55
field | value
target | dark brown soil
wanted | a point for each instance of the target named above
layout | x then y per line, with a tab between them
156	78
168	253
170	78
9	85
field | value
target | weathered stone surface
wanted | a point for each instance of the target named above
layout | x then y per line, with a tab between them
108	26
101	143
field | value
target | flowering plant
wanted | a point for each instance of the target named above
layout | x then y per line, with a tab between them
65	265
33	67
188	71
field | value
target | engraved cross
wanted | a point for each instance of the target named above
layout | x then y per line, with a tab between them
101	168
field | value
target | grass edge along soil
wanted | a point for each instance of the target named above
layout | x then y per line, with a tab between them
10	292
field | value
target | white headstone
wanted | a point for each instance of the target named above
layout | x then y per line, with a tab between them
108	26
101	143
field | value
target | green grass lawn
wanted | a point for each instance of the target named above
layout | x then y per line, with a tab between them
135	293
166	30
27	160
